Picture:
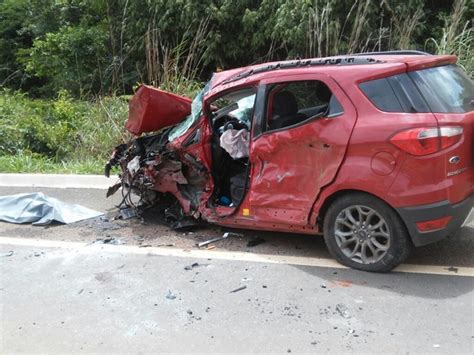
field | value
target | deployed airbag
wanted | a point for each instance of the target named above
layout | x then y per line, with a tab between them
40	209
236	143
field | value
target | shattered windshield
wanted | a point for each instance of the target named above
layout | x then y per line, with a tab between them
196	111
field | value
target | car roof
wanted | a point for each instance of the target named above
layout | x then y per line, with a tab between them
357	67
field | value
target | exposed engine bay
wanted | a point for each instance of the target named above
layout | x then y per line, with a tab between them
158	176
161	169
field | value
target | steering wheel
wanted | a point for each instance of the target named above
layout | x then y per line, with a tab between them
234	124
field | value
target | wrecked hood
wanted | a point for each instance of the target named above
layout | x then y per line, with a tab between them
152	109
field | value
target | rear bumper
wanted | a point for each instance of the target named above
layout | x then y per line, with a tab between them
412	215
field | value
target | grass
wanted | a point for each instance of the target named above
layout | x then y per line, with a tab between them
34	163
63	135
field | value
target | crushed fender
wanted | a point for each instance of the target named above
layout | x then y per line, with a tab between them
159	176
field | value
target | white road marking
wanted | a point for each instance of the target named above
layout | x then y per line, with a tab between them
57	181
225	255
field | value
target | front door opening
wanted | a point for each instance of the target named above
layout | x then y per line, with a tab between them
231	119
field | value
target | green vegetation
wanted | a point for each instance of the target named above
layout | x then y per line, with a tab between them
65	65
60	135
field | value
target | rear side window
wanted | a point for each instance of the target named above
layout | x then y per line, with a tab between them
381	94
396	93
447	89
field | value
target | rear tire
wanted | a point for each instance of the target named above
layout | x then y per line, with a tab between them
365	233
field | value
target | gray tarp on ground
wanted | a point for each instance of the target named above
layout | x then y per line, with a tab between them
39	209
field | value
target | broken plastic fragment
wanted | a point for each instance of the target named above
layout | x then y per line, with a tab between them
133	165
224	236
127	213
170	295
239	289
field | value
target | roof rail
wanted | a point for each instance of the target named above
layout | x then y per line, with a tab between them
301	63
397	52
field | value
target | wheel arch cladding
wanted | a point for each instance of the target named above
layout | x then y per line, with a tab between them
340	193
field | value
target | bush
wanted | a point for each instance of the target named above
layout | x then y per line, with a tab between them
36	132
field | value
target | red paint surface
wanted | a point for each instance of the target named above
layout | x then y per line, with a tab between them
151	109
295	171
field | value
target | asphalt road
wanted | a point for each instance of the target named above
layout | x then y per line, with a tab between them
63	291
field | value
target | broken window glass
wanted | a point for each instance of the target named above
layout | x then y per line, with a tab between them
196	112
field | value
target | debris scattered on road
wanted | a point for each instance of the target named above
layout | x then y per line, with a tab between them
224	236
108	240
9	253
128	213
190	267
184	224
323	286
40	210
239	289
255	241
166	245
453	269
170	295
38	253
351	331
342	310
210	247
246	279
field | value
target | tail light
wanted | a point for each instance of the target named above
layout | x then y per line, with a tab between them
424	141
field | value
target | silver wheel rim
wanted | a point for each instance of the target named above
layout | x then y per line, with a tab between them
362	234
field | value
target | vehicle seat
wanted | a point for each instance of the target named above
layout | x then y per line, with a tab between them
285	111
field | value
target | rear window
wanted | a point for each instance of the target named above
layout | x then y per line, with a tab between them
447	89
396	93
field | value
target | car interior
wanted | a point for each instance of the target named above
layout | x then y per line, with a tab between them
288	105
230	113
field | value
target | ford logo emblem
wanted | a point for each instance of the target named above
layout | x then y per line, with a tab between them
454	160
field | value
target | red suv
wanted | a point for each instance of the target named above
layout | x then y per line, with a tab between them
374	151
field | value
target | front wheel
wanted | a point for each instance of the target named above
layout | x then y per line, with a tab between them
364	233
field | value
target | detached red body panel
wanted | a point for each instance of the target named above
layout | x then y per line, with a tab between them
152	109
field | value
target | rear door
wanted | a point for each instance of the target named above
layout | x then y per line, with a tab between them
295	154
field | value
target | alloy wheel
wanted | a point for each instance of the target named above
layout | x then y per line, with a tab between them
362	234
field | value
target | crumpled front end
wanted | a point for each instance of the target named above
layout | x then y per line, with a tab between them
152	109
158	175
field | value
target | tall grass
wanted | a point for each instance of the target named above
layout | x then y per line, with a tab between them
175	66
63	135
457	37
66	133
329	34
